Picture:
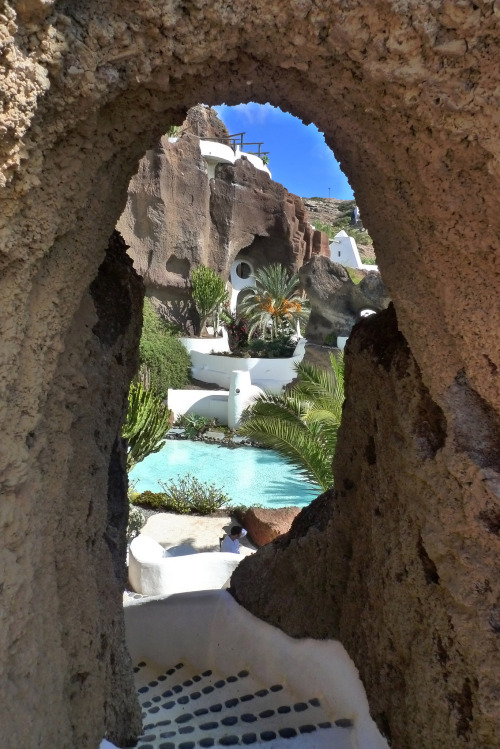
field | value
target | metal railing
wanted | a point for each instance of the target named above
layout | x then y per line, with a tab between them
237	139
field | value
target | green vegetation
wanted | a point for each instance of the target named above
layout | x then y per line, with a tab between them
302	424
185	496
209	295
136	521
273	305
343	222
164	362
148	421
195	425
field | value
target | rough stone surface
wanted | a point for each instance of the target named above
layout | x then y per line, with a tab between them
400	558
265	525
336	300
406	94
176	218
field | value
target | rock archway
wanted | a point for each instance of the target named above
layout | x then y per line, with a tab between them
405	94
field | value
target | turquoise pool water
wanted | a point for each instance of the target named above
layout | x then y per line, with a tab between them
246	474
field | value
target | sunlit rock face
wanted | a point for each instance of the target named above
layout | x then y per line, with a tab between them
406	96
336	301
177	218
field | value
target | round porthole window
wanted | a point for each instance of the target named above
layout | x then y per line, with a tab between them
243	270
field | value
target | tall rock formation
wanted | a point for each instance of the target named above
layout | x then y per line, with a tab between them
177	218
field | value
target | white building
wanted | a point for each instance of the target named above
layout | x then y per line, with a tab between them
343	250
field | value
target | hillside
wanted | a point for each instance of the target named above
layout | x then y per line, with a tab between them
331	215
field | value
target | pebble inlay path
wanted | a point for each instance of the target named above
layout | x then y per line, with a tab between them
184	708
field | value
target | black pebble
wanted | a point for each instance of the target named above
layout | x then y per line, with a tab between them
262	692
249	738
183	700
266	713
177	689
207	690
168	705
219	684
207	673
184	718
267	735
246	697
276	687
229	721
299	707
206	742
326	724
229	741
232	702
248	718
344	723
284	709
201	711
195	695
242	674
216	708
187	745
154	709
168	693
208	726
307	728
187	683
287	733
186	729
179	665
167	745
231	679
315	702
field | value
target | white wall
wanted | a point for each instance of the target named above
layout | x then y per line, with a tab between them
344	250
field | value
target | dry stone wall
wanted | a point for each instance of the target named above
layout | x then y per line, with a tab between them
406	94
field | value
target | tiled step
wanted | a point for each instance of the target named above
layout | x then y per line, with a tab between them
184	708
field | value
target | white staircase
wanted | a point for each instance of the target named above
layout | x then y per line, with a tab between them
185	708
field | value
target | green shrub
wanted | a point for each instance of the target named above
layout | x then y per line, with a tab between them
189	495
164	361
136	521
194	424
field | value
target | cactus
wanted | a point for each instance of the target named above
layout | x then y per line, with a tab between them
147	423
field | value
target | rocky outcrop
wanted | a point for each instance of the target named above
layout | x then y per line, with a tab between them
265	525
406	94
176	218
391	513
336	301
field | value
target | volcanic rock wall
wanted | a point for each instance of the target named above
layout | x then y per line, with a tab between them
176	218
406	94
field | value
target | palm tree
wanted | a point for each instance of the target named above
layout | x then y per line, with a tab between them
274	303
302	424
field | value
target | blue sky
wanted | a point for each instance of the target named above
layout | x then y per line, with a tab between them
298	156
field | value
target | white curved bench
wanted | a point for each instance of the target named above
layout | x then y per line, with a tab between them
152	572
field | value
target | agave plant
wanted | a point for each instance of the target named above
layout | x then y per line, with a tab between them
274	304
302	424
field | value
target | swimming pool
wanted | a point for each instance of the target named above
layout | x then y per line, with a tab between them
248	475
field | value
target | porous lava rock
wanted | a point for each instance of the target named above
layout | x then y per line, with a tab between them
336	301
264	525
176	218
405	440
406	95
